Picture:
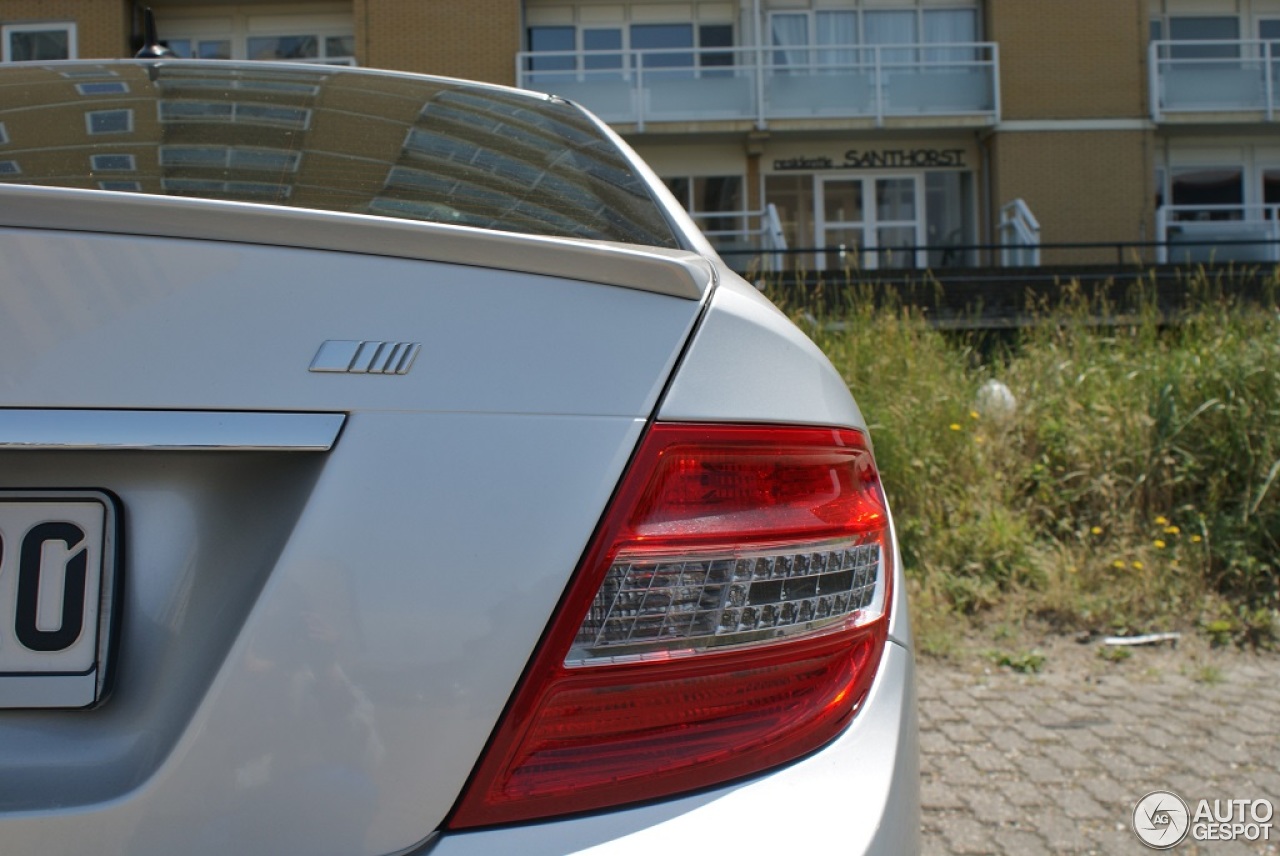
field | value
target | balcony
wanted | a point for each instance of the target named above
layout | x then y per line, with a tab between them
1232	80
934	84
1218	234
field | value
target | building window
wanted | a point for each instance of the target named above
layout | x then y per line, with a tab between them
222	157
234	111
1271	192
302	47
829	38
254	190
243	31
108	121
704	197
10	167
39	42
108	87
121	186
1208	193
670	49
331	50
4	134
113	163
200	48
1204	28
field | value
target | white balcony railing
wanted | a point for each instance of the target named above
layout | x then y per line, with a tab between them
1214	76
1019	236
1218	233
743	235
763	84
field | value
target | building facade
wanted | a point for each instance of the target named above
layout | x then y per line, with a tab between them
855	133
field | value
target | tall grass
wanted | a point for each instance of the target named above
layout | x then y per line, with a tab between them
1135	484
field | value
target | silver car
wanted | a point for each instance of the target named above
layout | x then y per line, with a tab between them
388	465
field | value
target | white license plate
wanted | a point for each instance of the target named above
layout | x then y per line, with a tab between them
57	590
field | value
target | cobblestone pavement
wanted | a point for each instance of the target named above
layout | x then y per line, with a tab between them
1055	762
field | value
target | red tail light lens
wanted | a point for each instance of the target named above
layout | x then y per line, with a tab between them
728	617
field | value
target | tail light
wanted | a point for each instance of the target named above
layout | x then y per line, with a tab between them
728	617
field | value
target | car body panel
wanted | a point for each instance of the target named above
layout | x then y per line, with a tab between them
334	578
87	315
748	359
358	689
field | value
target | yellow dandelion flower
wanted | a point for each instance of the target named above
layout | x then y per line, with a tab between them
1118	565
1162	520
1096	530
955	426
973	414
1172	530
1196	539
1137	566
1160	545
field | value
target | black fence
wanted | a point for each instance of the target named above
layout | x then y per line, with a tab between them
838	259
1010	297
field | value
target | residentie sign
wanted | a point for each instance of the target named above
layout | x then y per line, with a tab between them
878	159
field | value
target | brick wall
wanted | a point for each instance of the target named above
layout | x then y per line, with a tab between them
102	26
475	39
1067	59
1083	186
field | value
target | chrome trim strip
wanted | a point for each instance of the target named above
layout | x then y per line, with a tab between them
169	430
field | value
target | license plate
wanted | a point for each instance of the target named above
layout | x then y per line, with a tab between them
57	590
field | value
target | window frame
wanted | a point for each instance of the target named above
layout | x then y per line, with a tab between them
90	114
582	65
68	27
815	49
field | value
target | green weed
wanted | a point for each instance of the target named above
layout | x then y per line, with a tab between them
1135	481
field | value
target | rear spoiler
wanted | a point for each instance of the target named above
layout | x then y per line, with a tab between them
677	273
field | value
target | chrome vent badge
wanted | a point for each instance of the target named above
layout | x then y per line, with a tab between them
351	357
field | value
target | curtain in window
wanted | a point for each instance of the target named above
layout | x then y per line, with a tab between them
838	29
790	34
950	26
891	28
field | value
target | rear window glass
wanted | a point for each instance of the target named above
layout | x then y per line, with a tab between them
327	139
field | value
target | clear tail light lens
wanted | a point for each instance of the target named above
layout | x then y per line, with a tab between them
728	617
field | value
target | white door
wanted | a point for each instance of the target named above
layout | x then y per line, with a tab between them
869	222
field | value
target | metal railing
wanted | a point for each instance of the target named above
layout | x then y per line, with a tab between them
1214	76
762	84
760	235
1218	233
1019	232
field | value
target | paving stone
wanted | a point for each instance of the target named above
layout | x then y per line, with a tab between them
940	795
1023	794
966	835
961	732
1077	804
1017	841
990	760
990	807
1055	763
